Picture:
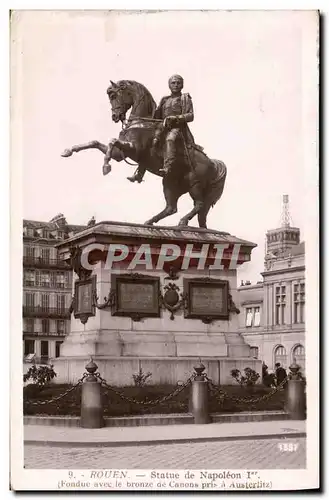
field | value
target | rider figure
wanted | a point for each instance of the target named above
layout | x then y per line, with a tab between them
176	111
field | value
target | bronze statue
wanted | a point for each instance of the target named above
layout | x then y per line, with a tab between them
176	111
182	164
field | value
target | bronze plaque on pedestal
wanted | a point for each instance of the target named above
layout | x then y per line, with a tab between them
136	295
84	291
206	298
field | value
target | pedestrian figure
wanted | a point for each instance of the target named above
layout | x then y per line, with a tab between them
280	374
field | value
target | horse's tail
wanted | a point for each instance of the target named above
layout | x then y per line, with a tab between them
213	190
215	186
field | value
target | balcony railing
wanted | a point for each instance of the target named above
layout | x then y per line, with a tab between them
44	334
46	284
46	312
44	262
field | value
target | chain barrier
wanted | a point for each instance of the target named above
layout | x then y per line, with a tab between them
216	391
53	400
222	394
145	403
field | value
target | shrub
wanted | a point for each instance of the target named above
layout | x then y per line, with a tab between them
236	374
249	379
140	378
31	391
41	375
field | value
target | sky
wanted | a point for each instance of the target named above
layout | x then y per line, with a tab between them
245	72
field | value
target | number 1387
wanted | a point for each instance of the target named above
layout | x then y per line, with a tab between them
288	446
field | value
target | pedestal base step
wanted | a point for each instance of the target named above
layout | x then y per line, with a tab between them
119	371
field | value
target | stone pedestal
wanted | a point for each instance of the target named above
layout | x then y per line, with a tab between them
161	337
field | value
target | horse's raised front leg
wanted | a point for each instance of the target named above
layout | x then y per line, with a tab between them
82	147
118	150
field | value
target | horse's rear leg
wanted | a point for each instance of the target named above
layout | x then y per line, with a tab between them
202	215
196	195
171	207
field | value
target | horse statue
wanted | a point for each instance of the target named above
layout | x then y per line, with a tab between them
203	178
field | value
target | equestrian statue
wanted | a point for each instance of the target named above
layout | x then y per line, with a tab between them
159	140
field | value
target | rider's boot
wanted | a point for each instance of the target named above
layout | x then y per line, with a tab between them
138	175
169	158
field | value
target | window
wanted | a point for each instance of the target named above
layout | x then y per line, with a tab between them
252	316
45	279
29	278
298	354
254	352
45	254
45	301
60	280
299	302
44	351
60	302
28	347
60	326
280	305
58	349
45	326
29	325
249	316
30	251
29	299
256	316
280	355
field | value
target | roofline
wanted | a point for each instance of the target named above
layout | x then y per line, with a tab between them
283	228
251	286
280	271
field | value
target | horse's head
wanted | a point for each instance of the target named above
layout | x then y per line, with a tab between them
127	94
121	99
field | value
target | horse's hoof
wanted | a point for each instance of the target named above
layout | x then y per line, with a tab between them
148	223
106	169
183	223
66	153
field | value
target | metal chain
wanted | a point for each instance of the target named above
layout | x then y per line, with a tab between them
145	403
224	394
53	400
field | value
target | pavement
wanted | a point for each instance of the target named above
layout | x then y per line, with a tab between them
250	454
43	435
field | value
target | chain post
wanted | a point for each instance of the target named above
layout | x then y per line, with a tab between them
295	394
200	396
91	400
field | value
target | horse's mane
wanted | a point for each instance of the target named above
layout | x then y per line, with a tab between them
140	92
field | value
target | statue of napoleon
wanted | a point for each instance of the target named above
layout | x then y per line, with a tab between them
175	111
159	140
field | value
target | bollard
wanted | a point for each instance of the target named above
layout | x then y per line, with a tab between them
295	394
91	400
199	397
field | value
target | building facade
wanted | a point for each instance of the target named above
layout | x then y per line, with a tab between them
47	289
272	318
